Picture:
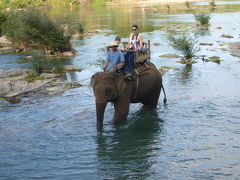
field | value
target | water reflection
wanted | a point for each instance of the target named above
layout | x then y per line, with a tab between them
184	76
128	151
201	32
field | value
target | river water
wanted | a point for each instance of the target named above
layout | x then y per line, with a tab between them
195	136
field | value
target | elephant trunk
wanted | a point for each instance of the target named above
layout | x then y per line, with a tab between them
100	114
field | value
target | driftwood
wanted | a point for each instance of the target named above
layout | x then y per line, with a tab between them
29	90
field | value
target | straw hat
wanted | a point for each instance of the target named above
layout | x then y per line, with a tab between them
113	44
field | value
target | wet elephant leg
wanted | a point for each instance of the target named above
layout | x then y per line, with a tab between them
100	107
153	99
121	111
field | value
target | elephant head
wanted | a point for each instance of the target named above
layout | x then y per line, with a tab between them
106	88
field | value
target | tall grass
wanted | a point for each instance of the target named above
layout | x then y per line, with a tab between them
184	44
202	19
33	29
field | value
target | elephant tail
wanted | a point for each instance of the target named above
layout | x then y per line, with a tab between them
165	97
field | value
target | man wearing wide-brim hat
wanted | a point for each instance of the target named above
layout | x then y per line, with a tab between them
115	59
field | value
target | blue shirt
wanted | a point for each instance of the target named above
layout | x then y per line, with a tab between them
114	58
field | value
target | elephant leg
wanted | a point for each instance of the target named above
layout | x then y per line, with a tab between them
121	111
153	99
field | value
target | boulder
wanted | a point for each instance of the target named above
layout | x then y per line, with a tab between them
4	41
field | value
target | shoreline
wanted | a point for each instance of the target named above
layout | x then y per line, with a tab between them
144	3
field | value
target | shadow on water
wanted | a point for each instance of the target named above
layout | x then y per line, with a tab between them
128	151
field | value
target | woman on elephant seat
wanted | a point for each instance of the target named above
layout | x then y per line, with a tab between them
135	43
115	59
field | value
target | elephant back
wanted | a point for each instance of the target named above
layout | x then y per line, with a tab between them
145	69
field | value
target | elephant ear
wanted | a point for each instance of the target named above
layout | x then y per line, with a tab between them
120	84
95	78
92	81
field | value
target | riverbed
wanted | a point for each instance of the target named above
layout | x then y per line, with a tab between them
195	136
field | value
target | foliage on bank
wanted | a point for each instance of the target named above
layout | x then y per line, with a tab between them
34	30
37	3
3	19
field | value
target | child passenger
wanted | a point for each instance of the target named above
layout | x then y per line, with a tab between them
120	44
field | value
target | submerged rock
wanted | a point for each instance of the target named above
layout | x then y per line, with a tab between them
27	57
164	69
234	49
170	56
206	44
227	36
156	44
215	59
187	61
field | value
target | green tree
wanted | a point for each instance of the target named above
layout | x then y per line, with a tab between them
184	44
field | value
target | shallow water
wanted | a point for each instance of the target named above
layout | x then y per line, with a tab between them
195	136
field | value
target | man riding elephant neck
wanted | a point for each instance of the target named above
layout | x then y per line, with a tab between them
115	59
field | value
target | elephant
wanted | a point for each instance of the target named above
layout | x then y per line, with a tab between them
144	88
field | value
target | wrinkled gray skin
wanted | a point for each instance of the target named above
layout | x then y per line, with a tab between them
115	89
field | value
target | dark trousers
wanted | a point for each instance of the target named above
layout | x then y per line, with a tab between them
129	62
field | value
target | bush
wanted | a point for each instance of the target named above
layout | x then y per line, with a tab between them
80	28
184	44
32	29
202	19
3	18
